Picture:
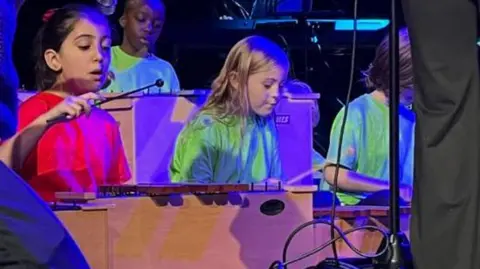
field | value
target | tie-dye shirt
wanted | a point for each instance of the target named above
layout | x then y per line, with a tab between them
365	147
133	73
210	150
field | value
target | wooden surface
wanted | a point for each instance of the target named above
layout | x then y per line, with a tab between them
207	231
75	197
358	211
215	230
349	217
89	229
145	136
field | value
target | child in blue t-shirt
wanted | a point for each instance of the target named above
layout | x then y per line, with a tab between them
133	64
363	176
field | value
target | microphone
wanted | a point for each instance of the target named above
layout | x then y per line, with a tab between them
107	7
110	79
159	83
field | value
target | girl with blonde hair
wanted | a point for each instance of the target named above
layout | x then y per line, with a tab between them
233	138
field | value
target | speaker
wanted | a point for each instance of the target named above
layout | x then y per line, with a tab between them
31	236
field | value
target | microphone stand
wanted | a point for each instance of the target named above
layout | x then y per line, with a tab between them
398	254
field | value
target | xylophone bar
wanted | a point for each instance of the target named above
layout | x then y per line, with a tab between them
168	189
140	190
75	197
188	188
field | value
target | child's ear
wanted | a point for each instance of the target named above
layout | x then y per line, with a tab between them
52	59
122	21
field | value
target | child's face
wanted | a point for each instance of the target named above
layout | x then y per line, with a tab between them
84	57
265	88
143	24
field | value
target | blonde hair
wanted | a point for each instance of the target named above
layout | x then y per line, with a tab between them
299	87
250	55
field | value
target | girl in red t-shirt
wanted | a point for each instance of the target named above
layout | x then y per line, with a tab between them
73	57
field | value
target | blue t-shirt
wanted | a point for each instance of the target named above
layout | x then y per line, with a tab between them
133	73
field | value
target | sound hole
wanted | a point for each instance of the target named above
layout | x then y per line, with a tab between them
272	207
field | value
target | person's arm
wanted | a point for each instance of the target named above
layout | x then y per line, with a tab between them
15	150
194	156
120	171
348	179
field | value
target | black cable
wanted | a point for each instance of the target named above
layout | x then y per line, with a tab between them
342	130
288	51
341	235
318	144
333	228
254	9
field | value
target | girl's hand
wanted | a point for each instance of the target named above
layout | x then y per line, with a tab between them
73	106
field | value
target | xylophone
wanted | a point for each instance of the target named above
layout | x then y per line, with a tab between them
88	225
149	126
204	226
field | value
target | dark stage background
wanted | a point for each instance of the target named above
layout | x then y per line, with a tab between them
196	46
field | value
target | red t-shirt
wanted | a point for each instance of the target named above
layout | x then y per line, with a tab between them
77	155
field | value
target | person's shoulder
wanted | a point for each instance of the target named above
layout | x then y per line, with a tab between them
205	125
35	106
121	61
115	49
361	103
357	110
40	101
160	63
115	53
205	120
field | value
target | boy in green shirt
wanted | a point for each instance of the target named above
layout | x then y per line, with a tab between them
364	156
